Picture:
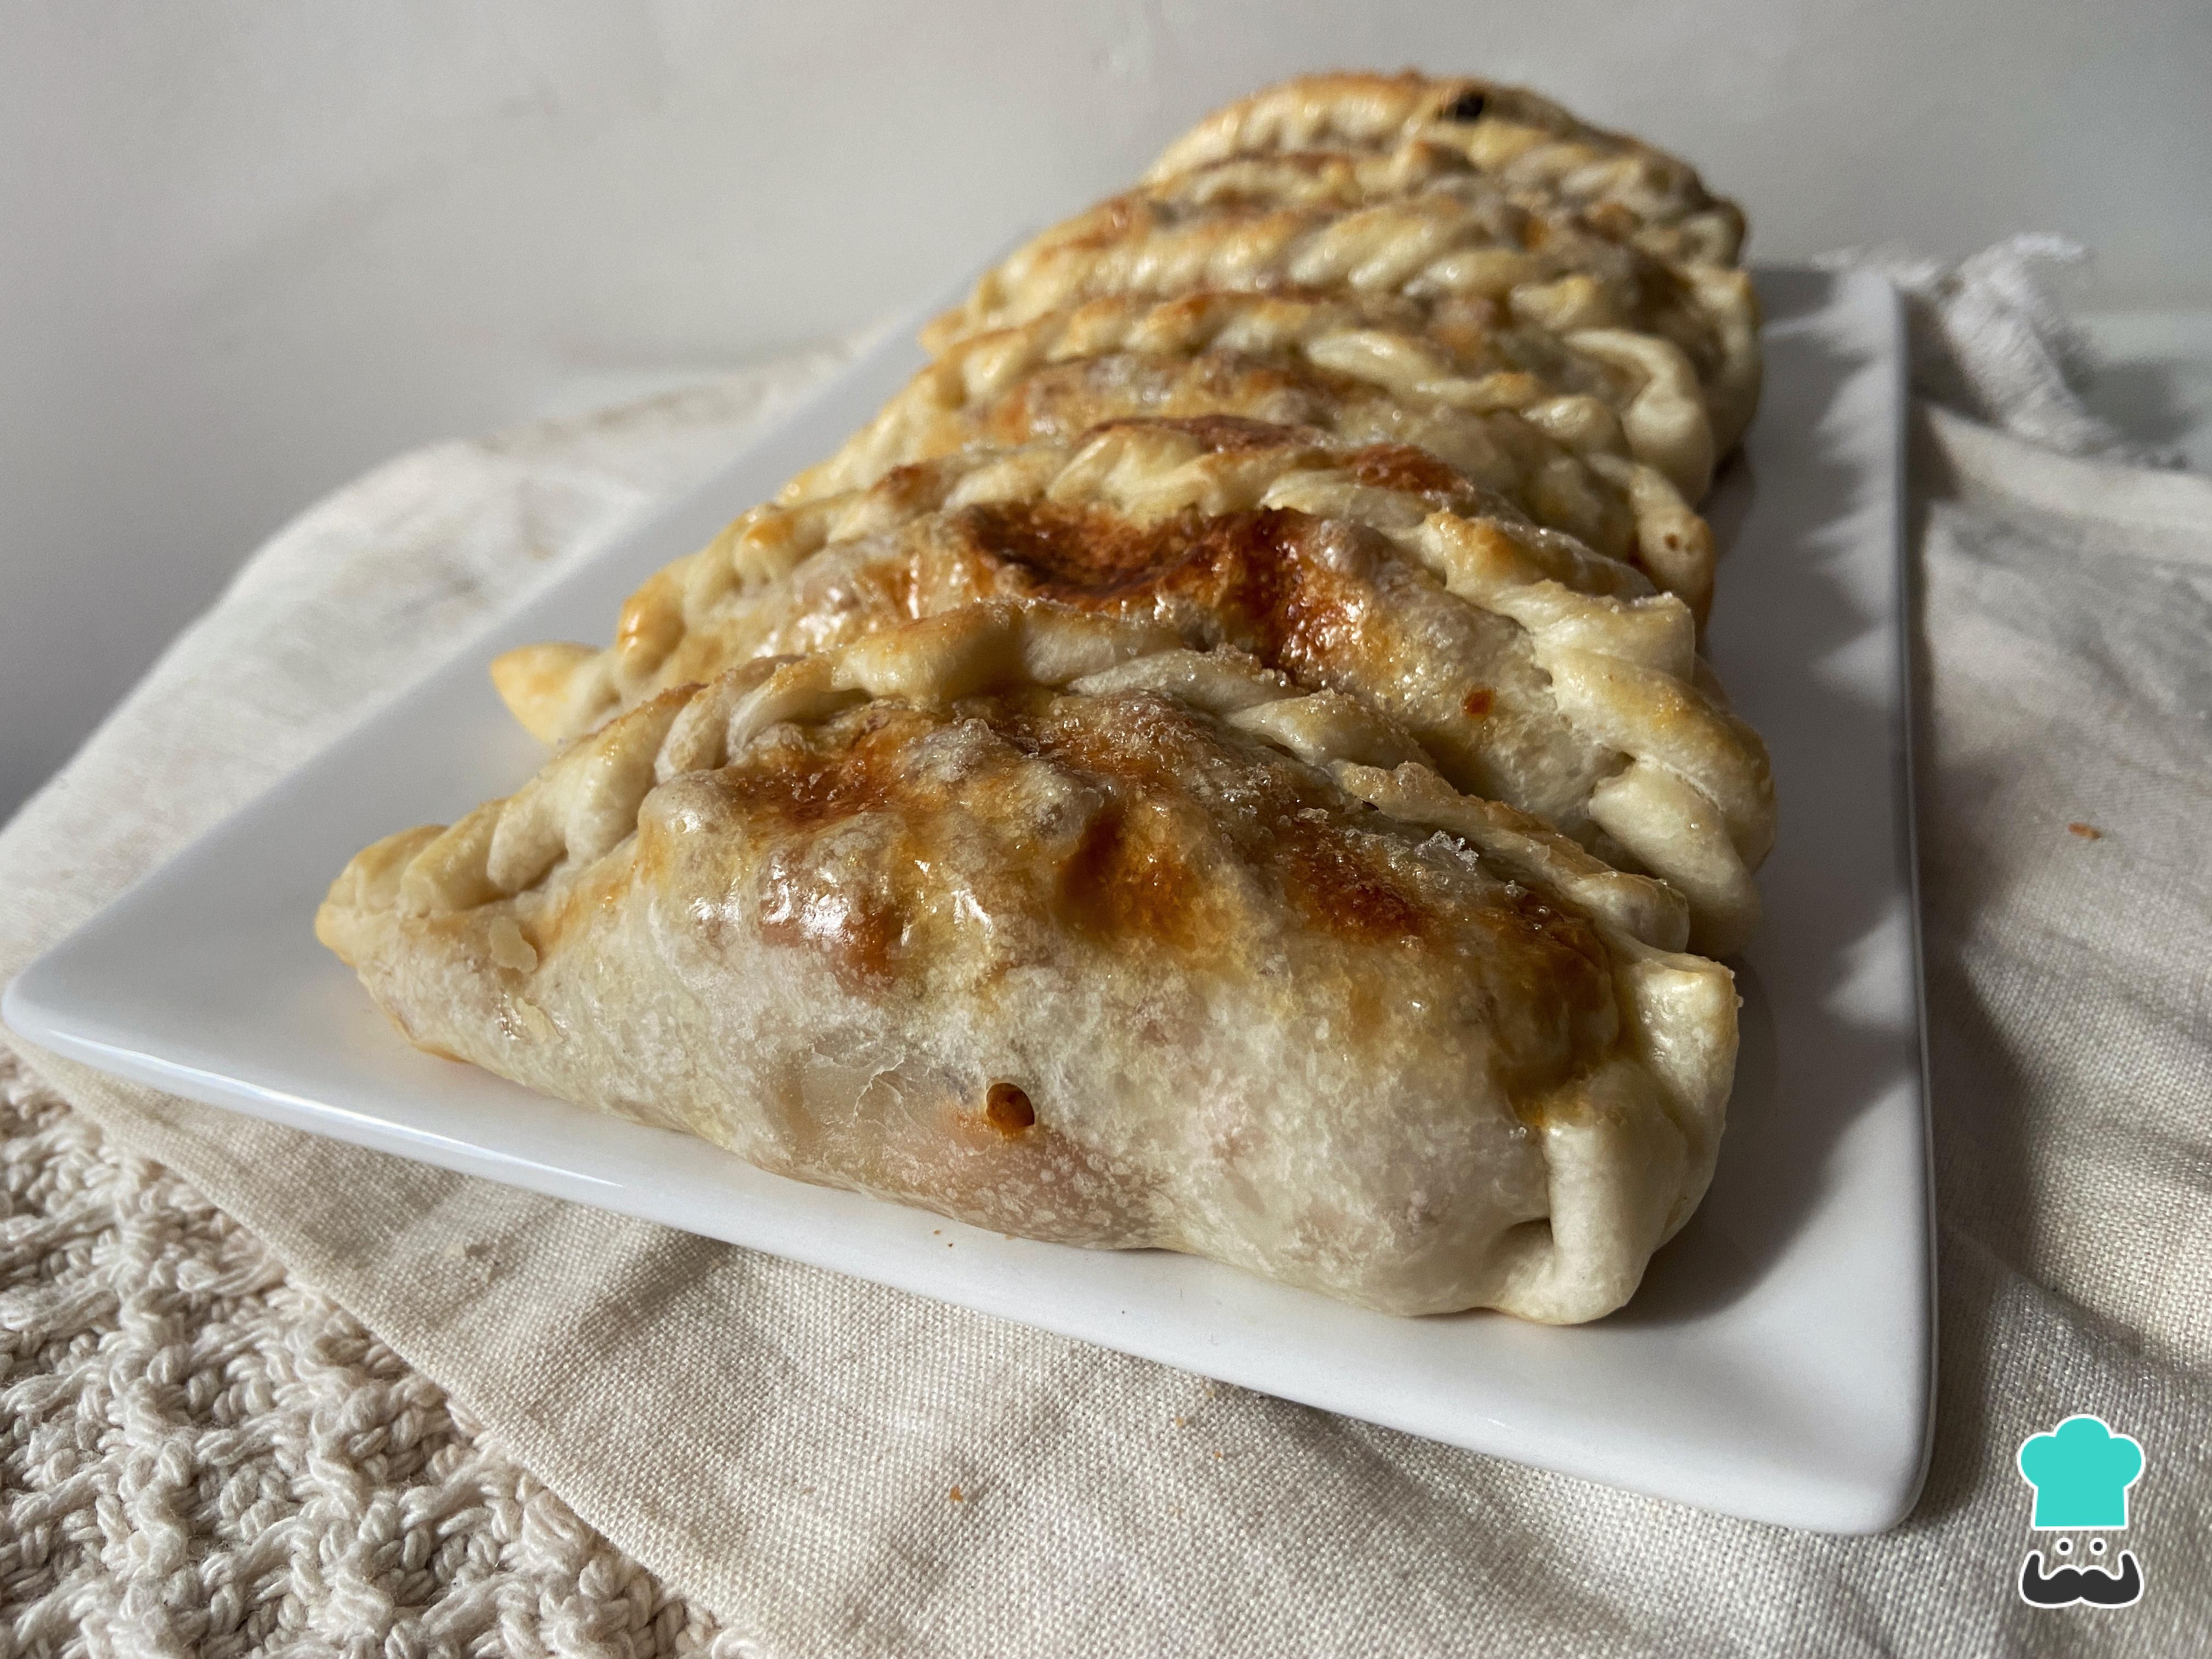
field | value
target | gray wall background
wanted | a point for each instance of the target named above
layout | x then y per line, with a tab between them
250	250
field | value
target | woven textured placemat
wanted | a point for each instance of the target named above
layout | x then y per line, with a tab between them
198	1457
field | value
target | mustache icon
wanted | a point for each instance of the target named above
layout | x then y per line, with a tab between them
2094	1585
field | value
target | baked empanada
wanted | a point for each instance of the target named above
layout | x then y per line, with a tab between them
1535	671
1530	146
1595	391
1487	257
1031	919
1003	390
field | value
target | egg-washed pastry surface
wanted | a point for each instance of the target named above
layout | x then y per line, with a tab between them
1535	672
1595	392
992	392
1038	921
1483	255
1531	147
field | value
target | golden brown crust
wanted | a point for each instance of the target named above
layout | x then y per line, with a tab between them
1531	147
1588	392
1535	671
1310	363
1448	253
1008	913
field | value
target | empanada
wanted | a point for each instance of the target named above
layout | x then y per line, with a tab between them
1213	355
1530	146
1486	256
1029	919
1597	392
1536	672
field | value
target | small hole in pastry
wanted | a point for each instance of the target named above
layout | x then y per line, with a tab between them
1467	107
1008	1109
510	947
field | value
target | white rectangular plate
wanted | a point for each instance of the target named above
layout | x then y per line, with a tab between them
1775	1364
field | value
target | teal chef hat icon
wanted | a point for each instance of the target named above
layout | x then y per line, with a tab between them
2081	1472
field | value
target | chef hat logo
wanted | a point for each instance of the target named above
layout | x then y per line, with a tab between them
2081	1472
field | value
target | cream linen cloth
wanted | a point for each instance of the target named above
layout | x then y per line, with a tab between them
838	1469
